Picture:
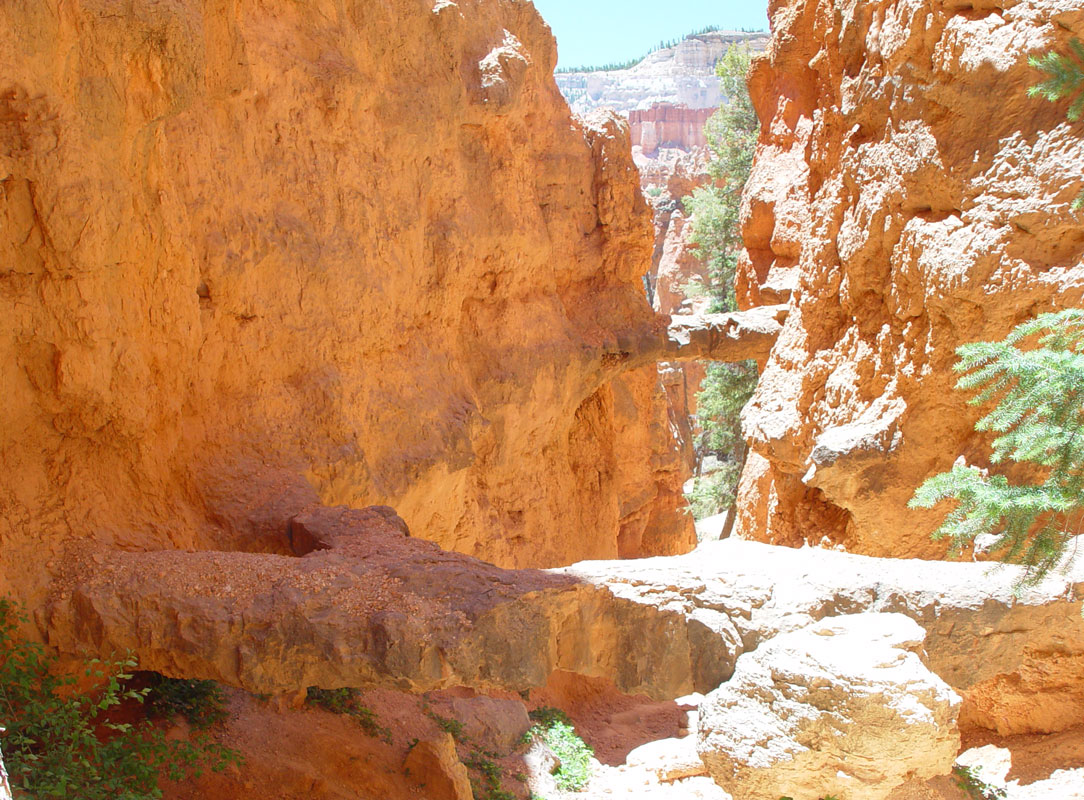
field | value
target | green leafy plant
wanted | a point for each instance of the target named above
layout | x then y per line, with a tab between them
970	781
201	703
486	785
345	701
1036	377
555	730
715	210
452	726
60	741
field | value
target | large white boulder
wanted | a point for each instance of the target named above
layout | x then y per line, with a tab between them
844	708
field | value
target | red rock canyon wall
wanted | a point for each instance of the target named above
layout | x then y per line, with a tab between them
361	244
916	199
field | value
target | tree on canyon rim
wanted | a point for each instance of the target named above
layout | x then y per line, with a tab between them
716	232
1038	416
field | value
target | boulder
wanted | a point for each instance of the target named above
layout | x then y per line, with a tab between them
434	765
669	759
490	722
844	707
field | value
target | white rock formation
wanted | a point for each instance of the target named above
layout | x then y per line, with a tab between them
843	708
683	75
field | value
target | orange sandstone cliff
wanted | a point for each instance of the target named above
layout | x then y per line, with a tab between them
361	245
915	199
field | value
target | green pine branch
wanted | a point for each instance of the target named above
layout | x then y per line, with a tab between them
1036	378
1065	78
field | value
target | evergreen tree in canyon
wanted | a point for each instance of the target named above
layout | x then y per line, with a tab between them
732	134
1036	379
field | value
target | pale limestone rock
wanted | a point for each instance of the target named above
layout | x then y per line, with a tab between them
683	74
669	759
990	762
434	765
1015	656
844	707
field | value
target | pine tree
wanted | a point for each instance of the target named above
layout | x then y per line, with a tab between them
732	134
1039	417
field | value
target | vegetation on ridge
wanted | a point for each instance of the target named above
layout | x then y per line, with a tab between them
555	730
716	232
346	702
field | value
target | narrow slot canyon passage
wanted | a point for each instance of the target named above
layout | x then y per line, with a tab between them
417	399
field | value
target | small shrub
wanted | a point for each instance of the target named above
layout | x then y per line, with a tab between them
487	784
52	746
555	730
345	701
452	726
971	782
201	703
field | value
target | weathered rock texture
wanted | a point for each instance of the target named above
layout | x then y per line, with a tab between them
683	75
363	244
1010	655
843	708
361	603
916	199
668	125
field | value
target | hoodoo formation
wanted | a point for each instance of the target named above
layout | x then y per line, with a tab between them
348	391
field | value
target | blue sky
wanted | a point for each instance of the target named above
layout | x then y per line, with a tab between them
591	32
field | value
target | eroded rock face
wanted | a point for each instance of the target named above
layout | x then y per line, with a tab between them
844	708
365	245
361	603
915	199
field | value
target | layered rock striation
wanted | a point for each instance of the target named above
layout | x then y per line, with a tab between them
366	246
913	198
666	125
